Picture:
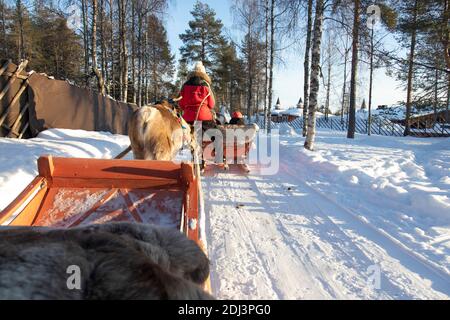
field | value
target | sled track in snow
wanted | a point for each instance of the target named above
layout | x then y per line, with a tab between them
439	276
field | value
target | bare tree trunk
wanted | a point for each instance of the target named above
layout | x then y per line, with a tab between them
111	49
85	42
354	77
103	44
250	73
446	37
21	46
266	57
327	102
3	21
272	57
369	118
133	51
120	4
436	97
409	97
98	75
139	84
344	89
448	96
306	67
315	71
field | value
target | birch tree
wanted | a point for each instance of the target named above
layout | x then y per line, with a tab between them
306	64
315	71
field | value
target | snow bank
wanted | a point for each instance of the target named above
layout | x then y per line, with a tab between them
400	185
18	157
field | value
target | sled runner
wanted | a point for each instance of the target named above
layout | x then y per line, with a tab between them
236	148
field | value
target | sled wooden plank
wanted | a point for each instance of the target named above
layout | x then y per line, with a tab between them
131	206
93	182
34	193
119	169
190	203
94	208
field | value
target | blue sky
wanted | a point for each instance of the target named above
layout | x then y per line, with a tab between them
288	77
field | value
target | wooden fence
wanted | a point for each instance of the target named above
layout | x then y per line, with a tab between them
14	104
380	126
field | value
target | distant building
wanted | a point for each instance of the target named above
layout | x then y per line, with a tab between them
300	104
278	105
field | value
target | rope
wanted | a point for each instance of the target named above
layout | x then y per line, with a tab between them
203	101
123	153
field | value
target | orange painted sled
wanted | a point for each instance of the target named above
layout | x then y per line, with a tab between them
235	150
71	192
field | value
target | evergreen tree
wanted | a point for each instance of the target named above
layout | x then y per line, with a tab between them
160	60
203	40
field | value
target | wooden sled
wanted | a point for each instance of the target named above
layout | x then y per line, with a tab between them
236	148
71	192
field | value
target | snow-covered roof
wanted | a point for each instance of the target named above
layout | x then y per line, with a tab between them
293	112
395	112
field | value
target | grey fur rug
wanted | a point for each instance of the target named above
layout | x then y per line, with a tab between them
109	261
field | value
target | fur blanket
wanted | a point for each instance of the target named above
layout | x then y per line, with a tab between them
115	261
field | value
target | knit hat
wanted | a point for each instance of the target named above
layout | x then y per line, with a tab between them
199	67
237	115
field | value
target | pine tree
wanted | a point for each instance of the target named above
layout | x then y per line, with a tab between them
203	39
410	26
160	60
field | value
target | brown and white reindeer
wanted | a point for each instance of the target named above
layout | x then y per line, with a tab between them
157	132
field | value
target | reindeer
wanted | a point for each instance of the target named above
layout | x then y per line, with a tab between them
158	132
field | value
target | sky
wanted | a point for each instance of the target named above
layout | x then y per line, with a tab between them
288	76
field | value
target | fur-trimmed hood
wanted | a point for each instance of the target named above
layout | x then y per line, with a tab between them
201	75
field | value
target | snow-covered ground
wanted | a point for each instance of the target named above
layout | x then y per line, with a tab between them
325	226
18	157
331	220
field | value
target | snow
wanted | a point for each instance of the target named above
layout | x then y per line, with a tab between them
395	112
294	112
18	157
318	227
325	226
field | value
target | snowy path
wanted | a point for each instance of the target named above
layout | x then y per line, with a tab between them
319	228
280	237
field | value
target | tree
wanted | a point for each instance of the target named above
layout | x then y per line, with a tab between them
353	80
315	70
95	70
306	64
3	13
160	60
410	26
201	42
247	13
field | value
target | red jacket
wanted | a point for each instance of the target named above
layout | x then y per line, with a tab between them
193	93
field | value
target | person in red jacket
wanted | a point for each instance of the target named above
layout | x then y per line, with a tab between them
197	100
